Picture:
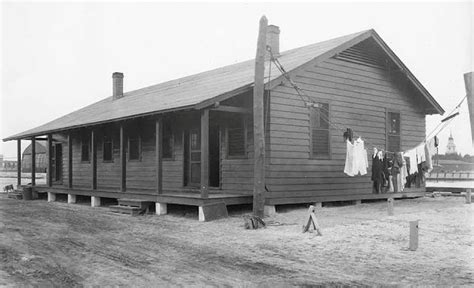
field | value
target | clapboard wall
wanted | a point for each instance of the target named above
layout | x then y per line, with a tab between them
359	97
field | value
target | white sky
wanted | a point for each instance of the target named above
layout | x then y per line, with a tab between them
59	57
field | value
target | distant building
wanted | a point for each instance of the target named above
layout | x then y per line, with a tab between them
451	147
41	159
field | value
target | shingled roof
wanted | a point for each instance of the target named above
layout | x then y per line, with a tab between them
203	89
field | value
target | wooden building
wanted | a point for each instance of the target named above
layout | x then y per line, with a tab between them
190	141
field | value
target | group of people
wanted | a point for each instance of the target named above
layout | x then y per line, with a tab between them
391	171
394	171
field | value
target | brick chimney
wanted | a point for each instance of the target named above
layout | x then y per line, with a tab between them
117	85
273	39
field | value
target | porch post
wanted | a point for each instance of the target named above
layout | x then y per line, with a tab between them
258	123
204	153
69	160
159	155
93	161
50	162
123	161
18	163
33	161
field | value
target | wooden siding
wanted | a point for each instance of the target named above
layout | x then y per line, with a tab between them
359	96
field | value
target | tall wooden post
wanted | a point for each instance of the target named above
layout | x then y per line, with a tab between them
159	155
93	160
258	124
468	81
413	235
69	160
50	160
33	161
18	162
204	153
123	161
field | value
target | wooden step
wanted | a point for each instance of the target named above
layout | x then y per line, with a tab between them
127	210
134	203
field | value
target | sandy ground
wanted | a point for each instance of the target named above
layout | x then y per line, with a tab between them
73	245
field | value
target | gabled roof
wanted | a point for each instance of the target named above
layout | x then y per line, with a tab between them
203	89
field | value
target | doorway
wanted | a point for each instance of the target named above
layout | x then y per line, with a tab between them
57	162
192	157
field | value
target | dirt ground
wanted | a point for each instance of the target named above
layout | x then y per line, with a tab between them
60	244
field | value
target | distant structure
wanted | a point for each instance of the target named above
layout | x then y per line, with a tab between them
41	159
451	147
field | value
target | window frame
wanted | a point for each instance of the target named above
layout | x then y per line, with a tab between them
388	128
85	138
139	159
311	132
111	150
172	156
244	123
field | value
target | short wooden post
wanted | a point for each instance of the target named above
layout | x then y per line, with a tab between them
258	122
33	162
50	160
18	163
390	206
413	235
468	196
204	153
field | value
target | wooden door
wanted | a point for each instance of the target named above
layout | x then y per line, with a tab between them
192	158
57	162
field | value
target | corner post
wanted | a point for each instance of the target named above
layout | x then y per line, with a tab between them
93	160
159	155
258	122
123	161
69	160
50	160
18	163
33	161
205	153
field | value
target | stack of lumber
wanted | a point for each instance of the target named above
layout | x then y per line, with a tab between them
131	207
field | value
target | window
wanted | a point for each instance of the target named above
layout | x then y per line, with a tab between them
134	148
85	148
236	138
393	131
167	141
320	136
108	149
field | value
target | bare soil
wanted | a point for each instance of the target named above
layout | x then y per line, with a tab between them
66	245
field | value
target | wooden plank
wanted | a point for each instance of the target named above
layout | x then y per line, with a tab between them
93	160
258	122
18	162
159	155
69	160
232	109
123	160
204	153
33	161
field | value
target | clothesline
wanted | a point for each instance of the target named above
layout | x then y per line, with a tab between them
301	93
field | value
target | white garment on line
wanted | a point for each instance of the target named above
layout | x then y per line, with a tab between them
356	158
430	150
413	163
420	153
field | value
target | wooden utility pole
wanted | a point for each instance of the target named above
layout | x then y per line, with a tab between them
258	124
468	80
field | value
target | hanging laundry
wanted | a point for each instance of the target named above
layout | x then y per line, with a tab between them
411	154
430	150
420	154
356	158
361	163
404	173
377	171
349	166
